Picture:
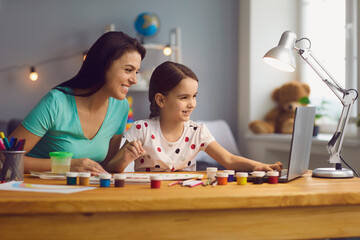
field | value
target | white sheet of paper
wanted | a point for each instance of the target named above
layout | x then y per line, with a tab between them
29	187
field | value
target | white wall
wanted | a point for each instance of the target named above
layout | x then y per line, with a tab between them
261	24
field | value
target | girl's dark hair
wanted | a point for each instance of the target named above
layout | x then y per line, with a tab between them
108	48
164	78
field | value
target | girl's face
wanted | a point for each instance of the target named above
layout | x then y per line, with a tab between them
179	103
122	75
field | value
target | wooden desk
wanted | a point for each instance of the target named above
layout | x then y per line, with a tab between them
304	208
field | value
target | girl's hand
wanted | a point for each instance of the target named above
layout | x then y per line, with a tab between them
86	165
133	150
269	167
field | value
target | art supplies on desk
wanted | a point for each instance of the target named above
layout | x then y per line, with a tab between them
131	178
144	178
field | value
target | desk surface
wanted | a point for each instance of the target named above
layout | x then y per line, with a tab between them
303	198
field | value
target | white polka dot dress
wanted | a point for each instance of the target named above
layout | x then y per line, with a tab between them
162	155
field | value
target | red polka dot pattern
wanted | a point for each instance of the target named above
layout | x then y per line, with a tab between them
173	169
138	126
152	136
192	146
159	149
146	125
203	144
186	139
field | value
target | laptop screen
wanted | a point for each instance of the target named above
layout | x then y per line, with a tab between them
301	142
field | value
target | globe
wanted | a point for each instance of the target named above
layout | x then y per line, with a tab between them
147	24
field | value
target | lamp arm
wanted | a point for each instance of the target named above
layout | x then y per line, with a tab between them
347	98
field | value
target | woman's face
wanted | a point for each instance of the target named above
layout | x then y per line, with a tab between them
180	101
122	75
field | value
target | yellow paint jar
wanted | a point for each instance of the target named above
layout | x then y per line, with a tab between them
241	178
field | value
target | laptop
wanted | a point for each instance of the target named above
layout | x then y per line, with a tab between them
299	156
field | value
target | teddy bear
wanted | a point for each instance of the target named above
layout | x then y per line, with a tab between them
281	118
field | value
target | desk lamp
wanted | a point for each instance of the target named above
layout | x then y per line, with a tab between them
282	58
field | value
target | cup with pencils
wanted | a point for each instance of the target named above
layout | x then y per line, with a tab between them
12	159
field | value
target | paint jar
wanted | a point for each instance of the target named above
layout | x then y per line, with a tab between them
241	178
222	178
60	161
155	181
273	177
105	180
119	180
71	178
258	177
211	172
84	178
231	175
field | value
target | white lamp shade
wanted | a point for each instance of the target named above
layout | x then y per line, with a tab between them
281	57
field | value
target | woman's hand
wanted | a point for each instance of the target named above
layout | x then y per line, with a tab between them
268	167
132	151
86	165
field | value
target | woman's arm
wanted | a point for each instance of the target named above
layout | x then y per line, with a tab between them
231	161
44	164
30	163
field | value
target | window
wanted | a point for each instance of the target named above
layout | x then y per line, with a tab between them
331	27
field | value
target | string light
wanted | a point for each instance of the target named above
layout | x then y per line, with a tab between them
33	74
167	51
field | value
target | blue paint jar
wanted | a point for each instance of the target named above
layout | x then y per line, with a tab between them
71	178
105	180
231	175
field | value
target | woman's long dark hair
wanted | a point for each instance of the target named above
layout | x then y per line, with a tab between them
165	77
108	48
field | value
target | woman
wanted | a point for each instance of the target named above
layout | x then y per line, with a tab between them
87	114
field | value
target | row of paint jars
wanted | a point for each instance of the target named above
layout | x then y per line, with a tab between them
225	176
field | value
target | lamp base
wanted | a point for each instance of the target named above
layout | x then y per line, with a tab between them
332	173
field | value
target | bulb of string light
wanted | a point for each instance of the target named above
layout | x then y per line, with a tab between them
33	74
167	51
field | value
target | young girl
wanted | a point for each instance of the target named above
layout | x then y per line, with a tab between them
169	140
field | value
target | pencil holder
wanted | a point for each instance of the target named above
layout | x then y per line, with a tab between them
12	166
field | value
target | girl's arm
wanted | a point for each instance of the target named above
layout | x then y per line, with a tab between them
231	161
123	157
44	164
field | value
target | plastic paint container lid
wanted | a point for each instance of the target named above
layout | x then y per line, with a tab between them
119	176
273	174
242	174
211	169
155	178
84	174
230	172
258	174
105	176
222	174
61	154
72	174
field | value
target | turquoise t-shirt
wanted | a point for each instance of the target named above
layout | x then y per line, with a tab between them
55	119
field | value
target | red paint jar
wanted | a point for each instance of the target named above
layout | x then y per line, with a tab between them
155	181
273	177
222	178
